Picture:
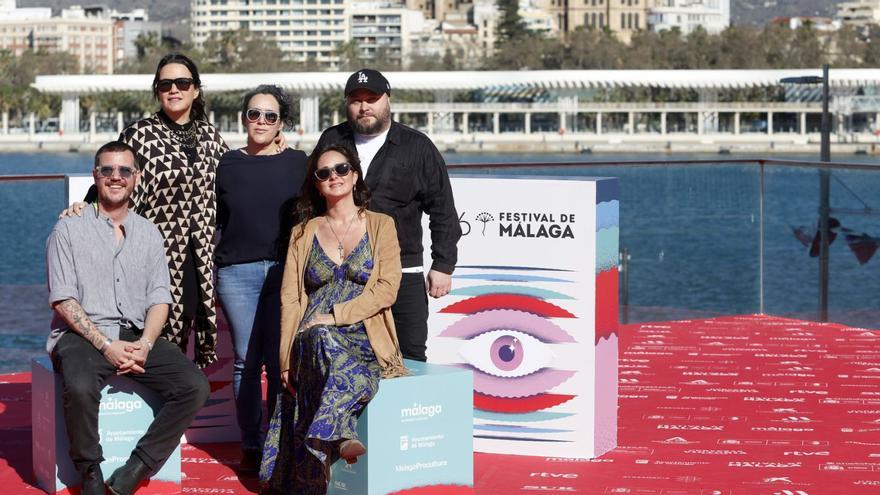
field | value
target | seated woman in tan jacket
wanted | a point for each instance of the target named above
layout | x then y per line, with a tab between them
337	334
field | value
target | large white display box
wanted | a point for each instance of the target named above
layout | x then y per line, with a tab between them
533	312
418	433
125	412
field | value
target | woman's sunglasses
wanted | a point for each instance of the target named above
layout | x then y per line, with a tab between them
107	171
340	169
182	83
254	114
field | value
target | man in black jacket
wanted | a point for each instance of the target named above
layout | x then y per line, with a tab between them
407	177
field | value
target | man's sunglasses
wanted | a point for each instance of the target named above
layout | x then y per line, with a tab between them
254	114
182	83
340	169
107	171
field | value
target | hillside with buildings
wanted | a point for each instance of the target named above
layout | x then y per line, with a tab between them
757	12
160	10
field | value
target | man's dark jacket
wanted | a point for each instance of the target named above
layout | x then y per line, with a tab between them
406	178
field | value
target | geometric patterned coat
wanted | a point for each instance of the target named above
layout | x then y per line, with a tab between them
180	200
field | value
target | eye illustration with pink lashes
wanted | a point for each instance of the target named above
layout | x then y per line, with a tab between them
509	342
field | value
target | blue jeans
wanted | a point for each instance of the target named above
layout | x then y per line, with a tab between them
251	297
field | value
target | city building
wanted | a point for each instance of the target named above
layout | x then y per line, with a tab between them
688	15
820	24
382	30
308	30
79	32
312	30
442	10
127	27
537	19
859	13
484	16
622	17
461	41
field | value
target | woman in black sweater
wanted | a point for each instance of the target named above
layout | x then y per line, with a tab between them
256	188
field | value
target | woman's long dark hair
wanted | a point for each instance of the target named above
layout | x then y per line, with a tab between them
197	112
311	204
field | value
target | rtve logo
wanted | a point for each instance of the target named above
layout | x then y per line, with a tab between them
553	475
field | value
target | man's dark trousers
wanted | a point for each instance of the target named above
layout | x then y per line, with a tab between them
410	313
167	372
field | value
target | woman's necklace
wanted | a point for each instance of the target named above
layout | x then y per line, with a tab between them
344	234
185	135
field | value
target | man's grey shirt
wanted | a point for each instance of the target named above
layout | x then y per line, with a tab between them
115	283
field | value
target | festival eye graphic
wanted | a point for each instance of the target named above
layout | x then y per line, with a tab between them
511	353
508	342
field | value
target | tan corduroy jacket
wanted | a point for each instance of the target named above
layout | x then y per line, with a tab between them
373	306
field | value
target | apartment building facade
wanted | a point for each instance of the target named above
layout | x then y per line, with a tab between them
623	17
384	30
88	38
304	29
859	13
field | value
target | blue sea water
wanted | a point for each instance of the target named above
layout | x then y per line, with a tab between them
692	232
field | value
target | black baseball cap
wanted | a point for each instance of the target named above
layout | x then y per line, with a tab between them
369	79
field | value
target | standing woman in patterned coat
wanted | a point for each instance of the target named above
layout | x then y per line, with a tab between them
178	151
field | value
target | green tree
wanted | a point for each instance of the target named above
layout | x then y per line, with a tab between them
805	48
848	47
17	73
349	55
739	48
427	62
243	51
511	27
703	49
871	54
774	43
531	51
385	60
652	50
150	48
593	49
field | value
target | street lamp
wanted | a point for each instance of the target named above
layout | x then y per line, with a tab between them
824	186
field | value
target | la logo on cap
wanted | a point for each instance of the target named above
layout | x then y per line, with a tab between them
362	78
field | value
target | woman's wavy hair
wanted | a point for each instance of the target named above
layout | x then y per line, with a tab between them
283	99
198	105
311	204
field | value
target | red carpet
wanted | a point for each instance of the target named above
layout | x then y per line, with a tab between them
739	405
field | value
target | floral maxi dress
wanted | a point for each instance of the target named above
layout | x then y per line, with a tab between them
336	375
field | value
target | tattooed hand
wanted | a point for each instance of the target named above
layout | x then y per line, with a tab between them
77	320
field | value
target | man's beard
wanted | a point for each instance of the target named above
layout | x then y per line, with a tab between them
360	126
